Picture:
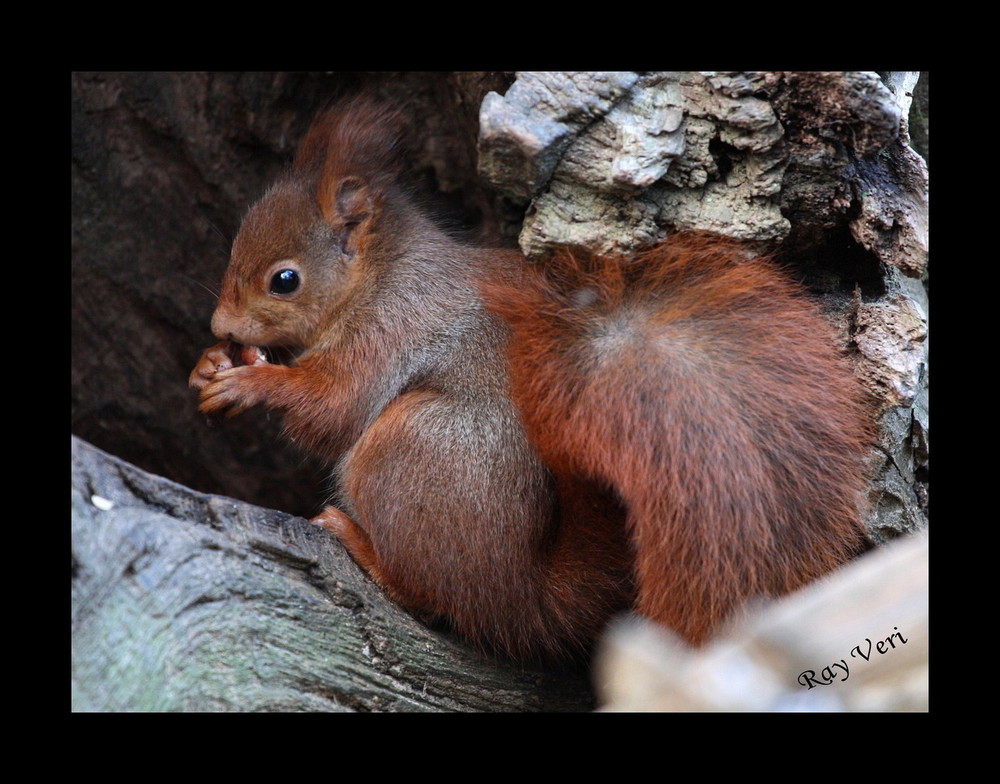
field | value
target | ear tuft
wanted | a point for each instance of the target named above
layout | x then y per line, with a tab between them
356	149
358	135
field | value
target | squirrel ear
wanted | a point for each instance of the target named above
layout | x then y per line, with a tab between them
349	209
352	201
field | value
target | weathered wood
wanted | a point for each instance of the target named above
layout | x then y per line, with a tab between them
191	602
855	641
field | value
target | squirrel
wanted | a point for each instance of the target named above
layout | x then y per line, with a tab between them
524	452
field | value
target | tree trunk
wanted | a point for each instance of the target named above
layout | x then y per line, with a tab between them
190	602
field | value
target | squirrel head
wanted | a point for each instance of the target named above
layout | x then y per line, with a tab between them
308	243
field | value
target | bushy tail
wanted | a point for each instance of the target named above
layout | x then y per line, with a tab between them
703	389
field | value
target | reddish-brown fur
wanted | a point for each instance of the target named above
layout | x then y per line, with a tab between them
701	387
700	439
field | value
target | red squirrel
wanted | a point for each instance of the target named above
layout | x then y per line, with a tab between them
525	452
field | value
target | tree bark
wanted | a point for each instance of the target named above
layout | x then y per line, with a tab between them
190	602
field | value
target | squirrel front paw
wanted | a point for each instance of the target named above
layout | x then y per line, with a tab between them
223	356
213	360
231	391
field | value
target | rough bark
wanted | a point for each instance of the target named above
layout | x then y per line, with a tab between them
190	602
813	166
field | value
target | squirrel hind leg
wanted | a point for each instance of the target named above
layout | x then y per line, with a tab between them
354	538
456	508
359	546
460	511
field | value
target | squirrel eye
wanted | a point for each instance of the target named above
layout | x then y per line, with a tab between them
284	281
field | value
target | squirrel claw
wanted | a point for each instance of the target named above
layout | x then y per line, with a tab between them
333	520
213	361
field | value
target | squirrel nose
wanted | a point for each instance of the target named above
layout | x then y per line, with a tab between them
222	325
